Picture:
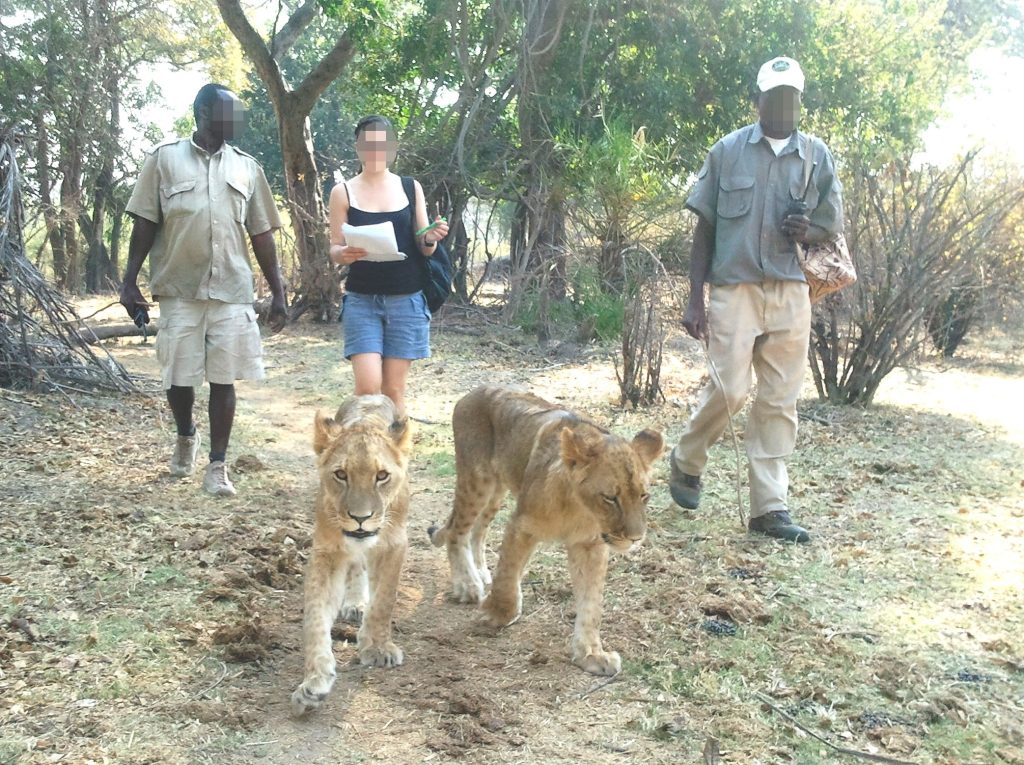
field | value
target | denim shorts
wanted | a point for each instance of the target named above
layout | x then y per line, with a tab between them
395	326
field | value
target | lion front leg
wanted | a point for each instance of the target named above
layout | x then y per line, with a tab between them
373	642
357	593
324	589
504	604
588	565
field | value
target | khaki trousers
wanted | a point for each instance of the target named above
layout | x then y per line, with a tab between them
764	328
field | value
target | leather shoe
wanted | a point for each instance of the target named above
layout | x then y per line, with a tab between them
684	488
780	526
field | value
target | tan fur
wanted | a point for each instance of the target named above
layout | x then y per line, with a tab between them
573	482
371	450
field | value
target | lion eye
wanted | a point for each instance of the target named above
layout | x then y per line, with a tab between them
644	497
611	499
382	476
341	475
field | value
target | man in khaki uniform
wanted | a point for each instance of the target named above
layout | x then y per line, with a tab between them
194	202
759	314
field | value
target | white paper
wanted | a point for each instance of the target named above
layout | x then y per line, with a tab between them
378	239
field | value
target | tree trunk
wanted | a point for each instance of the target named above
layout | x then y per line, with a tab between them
60	268
545	234
318	286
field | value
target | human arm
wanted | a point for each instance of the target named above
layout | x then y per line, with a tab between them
340	253
143	236
265	249
825	221
695	320
427	242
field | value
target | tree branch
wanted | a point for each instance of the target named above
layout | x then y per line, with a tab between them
292	28
326	72
255	48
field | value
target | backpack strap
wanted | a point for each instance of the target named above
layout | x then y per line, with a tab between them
808	163
410	193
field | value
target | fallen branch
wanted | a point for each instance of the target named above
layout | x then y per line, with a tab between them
841	749
93	335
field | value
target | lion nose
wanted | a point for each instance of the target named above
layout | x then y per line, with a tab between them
360	515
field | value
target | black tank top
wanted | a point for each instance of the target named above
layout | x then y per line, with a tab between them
399	277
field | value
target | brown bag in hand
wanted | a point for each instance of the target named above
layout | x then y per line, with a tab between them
827	266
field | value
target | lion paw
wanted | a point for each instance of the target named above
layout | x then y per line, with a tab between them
467	591
499	614
605	663
310	693
386	655
485	575
352	613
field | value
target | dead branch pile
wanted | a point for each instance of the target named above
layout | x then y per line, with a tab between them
40	344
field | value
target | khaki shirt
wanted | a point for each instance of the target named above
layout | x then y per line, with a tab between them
203	206
743	190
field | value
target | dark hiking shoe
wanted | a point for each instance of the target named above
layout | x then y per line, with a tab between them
780	526
684	488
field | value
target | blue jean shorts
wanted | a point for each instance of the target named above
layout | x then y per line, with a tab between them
394	326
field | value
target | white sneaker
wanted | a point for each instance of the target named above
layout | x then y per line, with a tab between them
216	480
183	461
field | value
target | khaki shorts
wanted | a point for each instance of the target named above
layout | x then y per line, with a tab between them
207	338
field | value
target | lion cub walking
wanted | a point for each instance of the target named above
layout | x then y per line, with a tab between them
573	482
361	509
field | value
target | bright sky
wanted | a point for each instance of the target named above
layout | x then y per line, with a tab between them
990	116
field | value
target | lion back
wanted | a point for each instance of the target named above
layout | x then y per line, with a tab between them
499	430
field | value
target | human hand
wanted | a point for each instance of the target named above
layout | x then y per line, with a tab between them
349	254
796	226
134	303
438	231
695	320
278	315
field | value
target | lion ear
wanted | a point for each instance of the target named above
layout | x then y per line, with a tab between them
577	448
324	431
401	434
648	445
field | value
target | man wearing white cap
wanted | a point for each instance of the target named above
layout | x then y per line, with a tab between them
758	315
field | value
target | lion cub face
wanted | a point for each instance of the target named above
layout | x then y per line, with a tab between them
362	465
612	483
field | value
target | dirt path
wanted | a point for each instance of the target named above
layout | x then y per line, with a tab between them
144	622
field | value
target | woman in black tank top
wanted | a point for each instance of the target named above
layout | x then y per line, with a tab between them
384	316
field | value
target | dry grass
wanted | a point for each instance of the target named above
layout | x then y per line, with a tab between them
143	622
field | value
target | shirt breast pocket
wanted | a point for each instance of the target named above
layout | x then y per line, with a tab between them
240	193
178	198
735	196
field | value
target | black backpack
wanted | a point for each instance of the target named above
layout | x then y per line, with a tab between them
436	279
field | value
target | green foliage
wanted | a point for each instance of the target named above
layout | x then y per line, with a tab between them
588	311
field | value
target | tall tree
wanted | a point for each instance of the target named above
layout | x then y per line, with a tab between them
317	291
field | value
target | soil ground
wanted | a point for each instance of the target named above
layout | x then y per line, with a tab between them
144	622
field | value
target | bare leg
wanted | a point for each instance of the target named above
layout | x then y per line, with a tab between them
367	371
222	416
395	374
181	400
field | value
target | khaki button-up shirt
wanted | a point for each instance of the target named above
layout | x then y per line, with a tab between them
744	189
203	206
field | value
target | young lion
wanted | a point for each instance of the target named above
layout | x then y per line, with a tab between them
573	482
361	508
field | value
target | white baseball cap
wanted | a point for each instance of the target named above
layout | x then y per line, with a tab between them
780	71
